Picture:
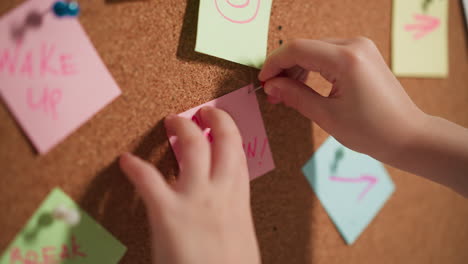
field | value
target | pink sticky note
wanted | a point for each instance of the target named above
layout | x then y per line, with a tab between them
243	108
51	77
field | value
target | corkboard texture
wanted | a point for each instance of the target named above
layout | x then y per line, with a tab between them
148	47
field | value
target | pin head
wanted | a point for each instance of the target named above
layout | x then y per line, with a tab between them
73	9
62	8
68	215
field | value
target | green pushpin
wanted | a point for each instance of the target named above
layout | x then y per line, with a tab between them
426	4
339	154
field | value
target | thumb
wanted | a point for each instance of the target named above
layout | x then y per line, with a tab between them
297	95
148	181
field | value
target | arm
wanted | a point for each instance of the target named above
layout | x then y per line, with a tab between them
439	152
367	109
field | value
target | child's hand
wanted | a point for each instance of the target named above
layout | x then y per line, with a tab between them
205	217
368	110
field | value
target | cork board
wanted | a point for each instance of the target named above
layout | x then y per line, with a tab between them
148	48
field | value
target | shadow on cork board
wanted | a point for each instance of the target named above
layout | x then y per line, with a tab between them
281	200
112	200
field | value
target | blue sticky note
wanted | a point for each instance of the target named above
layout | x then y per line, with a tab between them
351	186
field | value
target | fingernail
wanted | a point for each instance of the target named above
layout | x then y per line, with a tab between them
126	156
206	108
170	116
202	113
259	76
167	120
271	90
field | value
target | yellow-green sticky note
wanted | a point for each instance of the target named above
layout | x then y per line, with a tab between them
45	240
235	30
420	38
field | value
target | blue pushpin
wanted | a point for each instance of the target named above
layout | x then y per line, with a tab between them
34	19
62	8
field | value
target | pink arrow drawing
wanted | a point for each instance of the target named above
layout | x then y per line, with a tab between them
371	180
423	25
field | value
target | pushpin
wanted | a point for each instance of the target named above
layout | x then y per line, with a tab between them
257	88
69	216
66	8
339	154
35	18
262	84
425	4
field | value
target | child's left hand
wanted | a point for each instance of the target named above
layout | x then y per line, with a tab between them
205	217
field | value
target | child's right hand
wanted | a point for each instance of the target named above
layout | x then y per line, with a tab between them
367	110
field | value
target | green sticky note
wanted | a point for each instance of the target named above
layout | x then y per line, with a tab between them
420	38
235	30
45	240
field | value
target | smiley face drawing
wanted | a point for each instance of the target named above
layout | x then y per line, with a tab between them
239	13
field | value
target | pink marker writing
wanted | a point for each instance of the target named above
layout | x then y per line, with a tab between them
424	25
371	182
238	5
206	131
49	254
41	61
253	150
242	8
47	100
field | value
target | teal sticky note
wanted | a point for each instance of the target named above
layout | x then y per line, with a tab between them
351	186
45	240
235	30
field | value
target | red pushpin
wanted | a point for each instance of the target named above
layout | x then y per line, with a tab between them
257	88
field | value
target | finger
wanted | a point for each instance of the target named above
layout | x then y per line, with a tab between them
273	100
312	55
297	95
297	73
227	151
148	181
192	150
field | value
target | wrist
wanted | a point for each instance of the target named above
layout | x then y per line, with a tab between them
413	135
